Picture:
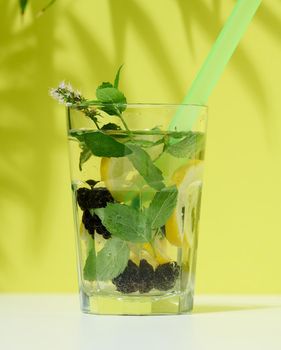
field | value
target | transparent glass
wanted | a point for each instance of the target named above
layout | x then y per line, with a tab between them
136	198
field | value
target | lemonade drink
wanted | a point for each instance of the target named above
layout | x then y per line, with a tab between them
136	201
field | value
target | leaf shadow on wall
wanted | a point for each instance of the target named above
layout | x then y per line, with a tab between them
27	153
270	22
26	149
132	14
193	13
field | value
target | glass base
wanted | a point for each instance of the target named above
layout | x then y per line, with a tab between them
169	304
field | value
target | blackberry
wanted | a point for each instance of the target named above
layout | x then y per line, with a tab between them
100	229
88	222
165	276
83	195
102	197
93	223
146	277
93	198
135	278
127	281
90	199
106	234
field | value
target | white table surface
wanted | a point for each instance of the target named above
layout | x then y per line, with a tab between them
29	322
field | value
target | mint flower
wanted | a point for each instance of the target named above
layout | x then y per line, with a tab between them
66	95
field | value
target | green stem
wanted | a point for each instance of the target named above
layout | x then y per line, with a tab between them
50	3
125	126
124	123
92	119
87	113
97	125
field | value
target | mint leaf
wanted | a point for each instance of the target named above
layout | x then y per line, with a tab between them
162	140
188	147
23	4
179	134
147	143
110	126
78	135
105	85
103	145
125	222
162	206
84	155
144	143
49	4
136	202
116	80
144	165
110	95
108	263
112	259
113	100
89	271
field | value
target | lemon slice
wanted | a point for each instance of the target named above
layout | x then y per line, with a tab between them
142	251
121	178
188	179
159	252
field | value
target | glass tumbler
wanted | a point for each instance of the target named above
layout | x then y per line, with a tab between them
136	201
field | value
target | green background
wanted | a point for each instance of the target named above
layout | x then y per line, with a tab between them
162	44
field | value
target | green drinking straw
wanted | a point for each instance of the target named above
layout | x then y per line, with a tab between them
215	62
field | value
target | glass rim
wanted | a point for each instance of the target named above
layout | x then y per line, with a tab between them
140	104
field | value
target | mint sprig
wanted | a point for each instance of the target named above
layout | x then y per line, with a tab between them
100	144
112	259
162	207
89	271
189	147
84	155
103	145
139	225
112	100
117	77
145	166
125	222
108	262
